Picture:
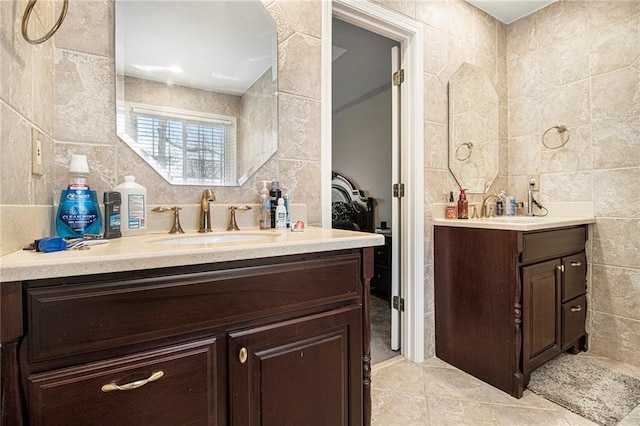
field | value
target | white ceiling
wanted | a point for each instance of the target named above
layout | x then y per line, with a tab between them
201	44
508	11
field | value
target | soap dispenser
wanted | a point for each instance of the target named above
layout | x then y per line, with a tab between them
264	206
463	205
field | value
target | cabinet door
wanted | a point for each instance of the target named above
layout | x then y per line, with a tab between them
306	371
541	285
172	386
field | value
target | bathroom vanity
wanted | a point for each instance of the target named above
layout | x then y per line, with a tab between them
243	339
507	301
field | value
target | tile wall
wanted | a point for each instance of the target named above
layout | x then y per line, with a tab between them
65	88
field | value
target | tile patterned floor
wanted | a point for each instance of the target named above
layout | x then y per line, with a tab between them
435	393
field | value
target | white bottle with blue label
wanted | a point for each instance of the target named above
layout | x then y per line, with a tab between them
133	211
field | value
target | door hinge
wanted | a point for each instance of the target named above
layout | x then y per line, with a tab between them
398	190
398	77
398	303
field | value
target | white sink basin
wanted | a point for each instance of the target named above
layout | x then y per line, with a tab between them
219	239
516	219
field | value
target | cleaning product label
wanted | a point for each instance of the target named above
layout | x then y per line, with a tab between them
78	213
136	219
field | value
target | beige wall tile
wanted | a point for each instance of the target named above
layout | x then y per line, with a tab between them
433	13
568	104
613	242
521	37
615	45
616	94
485	32
553	25
615	291
565	62
15	144
566	186
435	145
299	135
621	187
435	99
615	337
436	46
616	143
305	16
300	55
575	155
84	17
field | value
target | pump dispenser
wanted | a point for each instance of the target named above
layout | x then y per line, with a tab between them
463	205
274	194
78	212
264	206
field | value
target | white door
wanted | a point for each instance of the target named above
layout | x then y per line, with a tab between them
395	205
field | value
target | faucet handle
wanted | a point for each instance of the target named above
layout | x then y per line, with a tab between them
233	225
176	228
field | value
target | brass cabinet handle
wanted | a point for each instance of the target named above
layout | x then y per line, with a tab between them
243	355
560	268
133	385
577	308
576	264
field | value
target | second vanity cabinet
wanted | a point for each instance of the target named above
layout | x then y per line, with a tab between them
508	301
272	341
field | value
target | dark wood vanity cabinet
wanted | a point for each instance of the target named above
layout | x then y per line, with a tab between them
508	301
272	341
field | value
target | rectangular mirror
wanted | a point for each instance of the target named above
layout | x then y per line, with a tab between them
196	87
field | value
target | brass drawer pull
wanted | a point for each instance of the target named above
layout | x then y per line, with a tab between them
133	385
243	355
577	308
576	264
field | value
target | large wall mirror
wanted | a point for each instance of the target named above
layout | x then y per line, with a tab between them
473	129
196	87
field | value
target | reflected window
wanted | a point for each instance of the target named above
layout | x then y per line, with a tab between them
189	147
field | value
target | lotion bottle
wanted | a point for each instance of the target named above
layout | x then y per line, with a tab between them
463	205
281	215
450	213
133	211
264	206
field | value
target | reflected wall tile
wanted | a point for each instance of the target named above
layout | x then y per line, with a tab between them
616	291
575	155
612	243
616	143
566	187
300	56
561	21
305	16
299	135
78	32
84	97
616	94
565	62
618	192
615	337
615	46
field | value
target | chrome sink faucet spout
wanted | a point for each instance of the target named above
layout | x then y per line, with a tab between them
205	210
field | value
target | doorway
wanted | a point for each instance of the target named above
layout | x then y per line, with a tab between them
408	33
363	150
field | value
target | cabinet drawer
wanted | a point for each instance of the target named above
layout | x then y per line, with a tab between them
184	394
574	315
87	317
575	276
537	246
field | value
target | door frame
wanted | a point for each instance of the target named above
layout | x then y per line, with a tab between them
410	35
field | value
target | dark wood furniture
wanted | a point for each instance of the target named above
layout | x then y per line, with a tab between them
381	280
282	340
350	208
508	301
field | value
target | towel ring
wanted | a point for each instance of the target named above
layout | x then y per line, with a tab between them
469	146
47	36
560	128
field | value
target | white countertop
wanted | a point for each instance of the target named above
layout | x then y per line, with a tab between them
517	223
141	252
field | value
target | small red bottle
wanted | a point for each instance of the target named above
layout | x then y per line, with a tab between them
463	205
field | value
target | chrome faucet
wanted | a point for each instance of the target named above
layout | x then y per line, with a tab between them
205	210
483	208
